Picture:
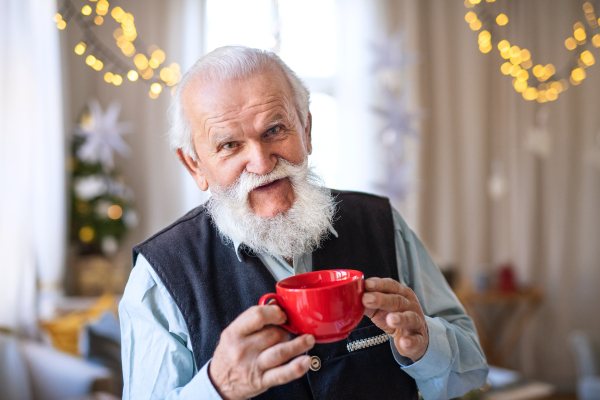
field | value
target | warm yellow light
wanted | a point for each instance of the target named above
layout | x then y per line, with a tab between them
114	212
156	88
98	20
505	68
102	7
474	1
175	67
587	58
530	94
596	40
485	48
148	73
80	48
573	81
117	80
153	95
588	7
514	70
57	17
140	61
108	77
117	13
470	17
551	94
502	19
159	55
523	75
549	70
525	55
520	86
90	60
564	83
86	10
117	33
557	86
504	45
515	51
98	65
578	74
579	34
468	4
578	25
490	1
505	54
475	25
128	49
166	74
132	75
61	24
570	44
484	38
538	70
516	60
526	64
153	63
86	234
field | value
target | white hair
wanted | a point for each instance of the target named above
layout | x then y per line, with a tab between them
298	231
223	64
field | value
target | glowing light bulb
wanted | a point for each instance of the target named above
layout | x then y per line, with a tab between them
153	95
108	77
579	34
140	61
153	63
578	74
475	25
523	75
156	88
525	55
117	80
159	55
570	44
526	64
470	17
86	234
117	13
587	58
502	19
98	20
596	40
114	212
90	60
505	68
166	74
538	71
61	24
86	10
132	75
80	48
98	65
57	17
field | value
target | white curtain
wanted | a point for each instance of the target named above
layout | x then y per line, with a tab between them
548	222
32	163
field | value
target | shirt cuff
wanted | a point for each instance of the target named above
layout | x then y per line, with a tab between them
437	357
200	384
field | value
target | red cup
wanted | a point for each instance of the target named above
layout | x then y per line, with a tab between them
327	304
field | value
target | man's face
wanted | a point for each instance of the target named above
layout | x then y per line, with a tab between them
245	125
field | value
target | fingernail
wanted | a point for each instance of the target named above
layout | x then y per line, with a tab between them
369	284
310	340
306	362
369	298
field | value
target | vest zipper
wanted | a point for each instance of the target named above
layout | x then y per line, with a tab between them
368	342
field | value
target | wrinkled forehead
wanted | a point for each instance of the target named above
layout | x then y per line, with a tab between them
205	99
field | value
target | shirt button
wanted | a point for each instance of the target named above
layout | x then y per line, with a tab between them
315	363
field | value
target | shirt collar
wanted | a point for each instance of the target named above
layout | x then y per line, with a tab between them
236	244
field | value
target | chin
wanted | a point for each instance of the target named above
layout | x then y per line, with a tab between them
272	210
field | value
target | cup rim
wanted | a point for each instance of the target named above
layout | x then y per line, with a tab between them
354	273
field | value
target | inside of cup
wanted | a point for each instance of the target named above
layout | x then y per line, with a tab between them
320	279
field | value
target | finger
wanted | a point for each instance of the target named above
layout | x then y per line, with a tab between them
408	321
255	318
286	373
412	346
387	285
267	337
280	353
387	302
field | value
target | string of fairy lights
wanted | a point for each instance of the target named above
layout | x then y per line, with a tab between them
149	66
540	82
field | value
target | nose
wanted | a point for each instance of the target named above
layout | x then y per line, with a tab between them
261	159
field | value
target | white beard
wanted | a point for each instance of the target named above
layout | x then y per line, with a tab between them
297	231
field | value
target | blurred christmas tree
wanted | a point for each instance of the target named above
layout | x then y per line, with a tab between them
101	203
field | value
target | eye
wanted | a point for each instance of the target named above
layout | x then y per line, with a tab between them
230	145
273	131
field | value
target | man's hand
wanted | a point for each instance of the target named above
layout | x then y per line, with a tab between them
248	359
395	309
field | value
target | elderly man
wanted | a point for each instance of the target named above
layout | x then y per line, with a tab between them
190	324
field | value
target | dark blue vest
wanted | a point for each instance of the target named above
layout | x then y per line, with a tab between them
212	287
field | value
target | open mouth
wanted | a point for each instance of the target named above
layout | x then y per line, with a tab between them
268	185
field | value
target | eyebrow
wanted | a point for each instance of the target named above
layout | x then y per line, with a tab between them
218	139
276	119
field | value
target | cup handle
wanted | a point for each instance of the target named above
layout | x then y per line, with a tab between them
279	300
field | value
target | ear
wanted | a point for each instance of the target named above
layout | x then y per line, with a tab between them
308	133
194	168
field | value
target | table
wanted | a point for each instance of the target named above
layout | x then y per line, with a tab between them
501	318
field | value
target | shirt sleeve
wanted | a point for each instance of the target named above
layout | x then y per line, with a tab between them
158	362
454	362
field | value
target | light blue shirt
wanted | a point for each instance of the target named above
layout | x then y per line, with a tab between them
157	357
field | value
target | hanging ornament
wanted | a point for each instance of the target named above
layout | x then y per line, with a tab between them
538	139
102	135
